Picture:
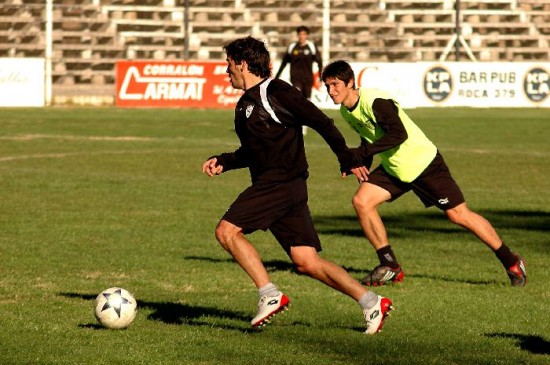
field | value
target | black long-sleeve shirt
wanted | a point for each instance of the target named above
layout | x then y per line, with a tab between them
268	122
301	58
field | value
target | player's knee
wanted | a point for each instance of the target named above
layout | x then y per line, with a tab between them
305	265
457	216
305	268
220	233
360	203
225	233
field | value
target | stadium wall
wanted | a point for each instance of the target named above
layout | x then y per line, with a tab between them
204	84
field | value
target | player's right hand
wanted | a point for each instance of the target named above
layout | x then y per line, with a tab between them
361	173
211	167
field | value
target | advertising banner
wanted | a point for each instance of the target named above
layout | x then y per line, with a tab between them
414	84
174	84
466	84
21	82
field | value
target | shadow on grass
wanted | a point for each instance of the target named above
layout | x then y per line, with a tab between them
279	265
270	265
533	344
192	315
434	221
455	280
181	314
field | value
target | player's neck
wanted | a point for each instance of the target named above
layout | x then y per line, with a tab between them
351	99
251	80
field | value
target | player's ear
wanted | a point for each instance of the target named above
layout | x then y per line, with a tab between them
243	66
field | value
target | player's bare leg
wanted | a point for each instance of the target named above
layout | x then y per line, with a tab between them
308	262
366	201
271	300
375	308
476	224
233	241
484	230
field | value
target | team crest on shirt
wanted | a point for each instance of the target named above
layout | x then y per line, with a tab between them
249	110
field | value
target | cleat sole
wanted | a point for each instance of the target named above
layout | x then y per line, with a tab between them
387	314
267	320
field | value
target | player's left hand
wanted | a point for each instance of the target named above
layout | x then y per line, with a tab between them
361	173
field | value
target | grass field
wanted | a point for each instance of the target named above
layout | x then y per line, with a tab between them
94	198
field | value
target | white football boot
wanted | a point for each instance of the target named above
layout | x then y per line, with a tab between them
268	307
376	315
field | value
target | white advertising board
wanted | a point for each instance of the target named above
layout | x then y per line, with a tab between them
469	84
21	82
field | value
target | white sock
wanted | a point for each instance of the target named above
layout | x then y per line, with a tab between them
368	300
269	290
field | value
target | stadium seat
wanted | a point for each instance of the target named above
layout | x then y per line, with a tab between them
91	35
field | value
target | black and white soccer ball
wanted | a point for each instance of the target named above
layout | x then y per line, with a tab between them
115	308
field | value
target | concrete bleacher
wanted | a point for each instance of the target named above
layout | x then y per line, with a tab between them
89	36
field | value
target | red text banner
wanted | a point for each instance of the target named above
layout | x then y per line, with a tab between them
174	84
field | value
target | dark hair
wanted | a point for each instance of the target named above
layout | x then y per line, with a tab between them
254	52
340	70
302	28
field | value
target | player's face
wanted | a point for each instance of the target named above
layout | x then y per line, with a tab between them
338	91
302	37
235	74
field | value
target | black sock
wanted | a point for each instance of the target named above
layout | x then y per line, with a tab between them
387	257
506	256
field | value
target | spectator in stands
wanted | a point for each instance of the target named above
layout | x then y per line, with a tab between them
268	120
301	55
409	161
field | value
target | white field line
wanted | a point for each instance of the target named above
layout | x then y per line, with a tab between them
72	154
479	151
31	137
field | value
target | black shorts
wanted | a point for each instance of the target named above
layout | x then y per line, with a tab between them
435	186
280	207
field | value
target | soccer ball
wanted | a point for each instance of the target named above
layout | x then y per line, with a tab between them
115	308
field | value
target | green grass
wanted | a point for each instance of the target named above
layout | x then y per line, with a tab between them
93	198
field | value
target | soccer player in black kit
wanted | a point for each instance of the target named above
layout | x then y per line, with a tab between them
301	56
268	121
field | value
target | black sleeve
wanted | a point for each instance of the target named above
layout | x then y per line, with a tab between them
295	110
284	62
319	60
232	160
387	117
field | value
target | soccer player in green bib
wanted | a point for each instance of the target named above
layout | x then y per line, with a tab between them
408	161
